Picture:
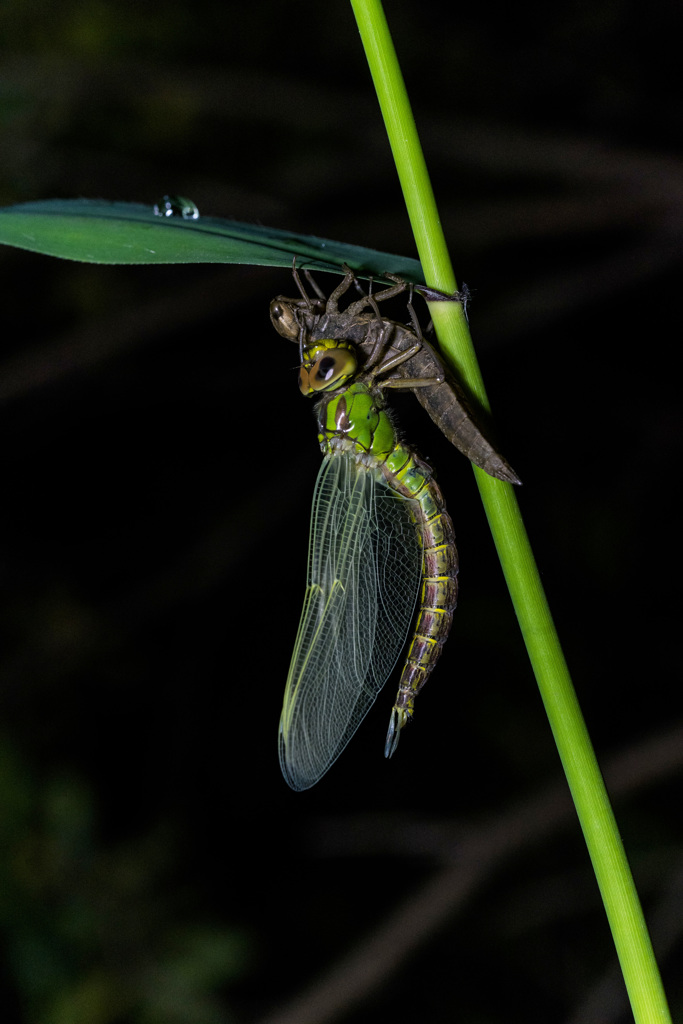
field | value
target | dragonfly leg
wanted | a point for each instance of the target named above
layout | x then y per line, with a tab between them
383	334
434	295
311	305
297	281
426	293
383	330
315	286
359	305
343	286
401	357
411	382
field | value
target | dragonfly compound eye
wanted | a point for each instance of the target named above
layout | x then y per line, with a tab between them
284	320
333	368
326	370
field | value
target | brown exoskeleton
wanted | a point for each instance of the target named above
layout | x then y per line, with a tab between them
313	319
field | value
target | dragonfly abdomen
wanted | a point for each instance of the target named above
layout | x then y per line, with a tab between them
353	420
438	596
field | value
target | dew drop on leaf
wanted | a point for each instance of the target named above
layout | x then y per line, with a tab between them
176	206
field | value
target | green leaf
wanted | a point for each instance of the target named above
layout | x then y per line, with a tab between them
97	231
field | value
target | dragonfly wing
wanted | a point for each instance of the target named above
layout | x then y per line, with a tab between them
364	567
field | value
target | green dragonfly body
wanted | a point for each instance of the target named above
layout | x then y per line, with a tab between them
381	540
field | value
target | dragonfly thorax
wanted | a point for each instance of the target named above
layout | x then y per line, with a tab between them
356	412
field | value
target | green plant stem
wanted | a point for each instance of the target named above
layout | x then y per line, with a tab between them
588	791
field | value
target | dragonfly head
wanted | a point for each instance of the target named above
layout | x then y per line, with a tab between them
327	365
292	317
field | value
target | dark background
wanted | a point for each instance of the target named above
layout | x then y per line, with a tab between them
157	469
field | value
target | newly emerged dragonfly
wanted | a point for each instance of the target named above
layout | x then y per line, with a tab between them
380	535
305	320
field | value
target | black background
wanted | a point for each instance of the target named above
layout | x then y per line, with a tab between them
157	469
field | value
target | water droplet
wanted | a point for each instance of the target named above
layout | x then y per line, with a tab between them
176	206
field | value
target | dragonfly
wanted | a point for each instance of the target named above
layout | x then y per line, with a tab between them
307	319
381	541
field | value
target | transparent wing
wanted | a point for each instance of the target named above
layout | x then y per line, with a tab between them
364	568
